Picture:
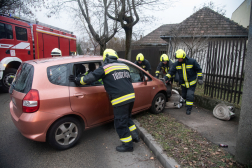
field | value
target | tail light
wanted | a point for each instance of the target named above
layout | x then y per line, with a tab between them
31	101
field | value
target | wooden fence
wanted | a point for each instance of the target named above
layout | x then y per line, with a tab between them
225	69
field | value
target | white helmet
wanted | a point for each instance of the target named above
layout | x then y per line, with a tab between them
56	52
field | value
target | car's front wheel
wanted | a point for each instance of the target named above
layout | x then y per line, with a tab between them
65	133
158	103
8	77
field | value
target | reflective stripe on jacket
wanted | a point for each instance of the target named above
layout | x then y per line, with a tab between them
116	79
188	71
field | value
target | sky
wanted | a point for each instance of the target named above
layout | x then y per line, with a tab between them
176	13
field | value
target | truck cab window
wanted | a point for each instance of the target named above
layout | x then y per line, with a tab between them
6	31
21	33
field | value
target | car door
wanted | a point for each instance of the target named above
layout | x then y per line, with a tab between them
91	101
142	91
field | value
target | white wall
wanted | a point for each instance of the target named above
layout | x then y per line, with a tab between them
242	13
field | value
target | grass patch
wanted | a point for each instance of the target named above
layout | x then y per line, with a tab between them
184	144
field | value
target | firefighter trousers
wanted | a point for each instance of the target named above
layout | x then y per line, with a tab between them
188	95
123	123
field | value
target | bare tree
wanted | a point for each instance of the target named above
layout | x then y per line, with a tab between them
126	13
105	37
94	14
220	9
90	41
20	7
117	43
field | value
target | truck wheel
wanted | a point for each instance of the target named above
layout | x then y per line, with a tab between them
158	103
64	133
7	79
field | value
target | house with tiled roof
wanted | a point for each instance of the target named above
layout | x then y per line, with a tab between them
194	33
153	38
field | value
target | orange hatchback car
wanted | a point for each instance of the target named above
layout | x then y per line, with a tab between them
46	106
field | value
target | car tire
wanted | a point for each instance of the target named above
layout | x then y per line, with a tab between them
158	103
7	79
64	133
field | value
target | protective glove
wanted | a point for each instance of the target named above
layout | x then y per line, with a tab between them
167	80
200	82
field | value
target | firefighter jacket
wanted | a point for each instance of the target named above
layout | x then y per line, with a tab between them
188	71
116	79
163	67
145	65
96	82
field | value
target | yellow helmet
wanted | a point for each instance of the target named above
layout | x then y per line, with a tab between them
180	54
110	53
164	58
140	57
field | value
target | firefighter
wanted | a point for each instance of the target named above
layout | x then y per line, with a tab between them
164	65
56	52
143	63
117	82
188	70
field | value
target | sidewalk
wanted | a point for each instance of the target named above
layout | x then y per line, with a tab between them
201	120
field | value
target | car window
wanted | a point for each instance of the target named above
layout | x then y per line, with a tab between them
83	69
23	79
136	73
58	74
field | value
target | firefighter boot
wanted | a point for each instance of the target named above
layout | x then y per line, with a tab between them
135	137
188	110
125	147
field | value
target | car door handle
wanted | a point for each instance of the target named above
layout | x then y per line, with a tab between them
79	95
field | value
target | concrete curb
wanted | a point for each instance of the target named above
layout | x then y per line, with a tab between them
167	162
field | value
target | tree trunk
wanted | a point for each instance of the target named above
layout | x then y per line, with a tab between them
128	32
102	48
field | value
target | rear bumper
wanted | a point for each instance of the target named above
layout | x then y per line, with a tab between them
33	125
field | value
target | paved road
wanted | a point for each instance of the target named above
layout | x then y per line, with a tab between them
96	148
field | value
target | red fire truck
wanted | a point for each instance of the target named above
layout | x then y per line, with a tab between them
22	40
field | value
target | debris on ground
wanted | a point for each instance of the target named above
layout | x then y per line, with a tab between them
175	101
223	112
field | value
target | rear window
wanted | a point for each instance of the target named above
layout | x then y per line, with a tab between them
23	79
58	74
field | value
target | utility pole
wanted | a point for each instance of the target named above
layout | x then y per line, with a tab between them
243	152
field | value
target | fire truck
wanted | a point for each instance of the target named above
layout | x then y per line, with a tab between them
22	40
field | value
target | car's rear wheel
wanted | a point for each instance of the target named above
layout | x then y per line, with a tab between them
65	133
158	103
